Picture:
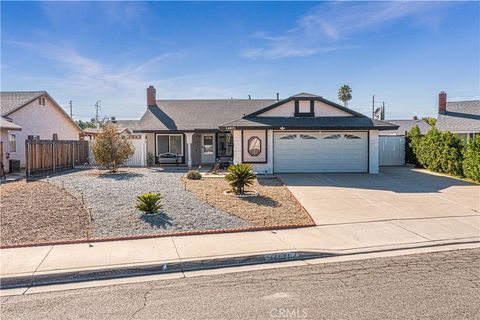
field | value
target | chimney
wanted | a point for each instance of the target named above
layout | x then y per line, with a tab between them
151	96
442	102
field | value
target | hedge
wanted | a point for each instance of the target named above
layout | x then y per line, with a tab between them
412	140
471	162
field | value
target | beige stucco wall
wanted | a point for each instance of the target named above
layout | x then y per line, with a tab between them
36	119
260	168
321	110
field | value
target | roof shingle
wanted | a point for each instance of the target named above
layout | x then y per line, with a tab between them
407	125
13	100
461	116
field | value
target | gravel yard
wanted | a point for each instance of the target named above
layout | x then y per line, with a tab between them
40	212
273	206
112	198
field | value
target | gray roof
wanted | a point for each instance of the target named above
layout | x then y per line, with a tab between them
6	123
11	101
318	123
405	126
461	116
188	115
128	124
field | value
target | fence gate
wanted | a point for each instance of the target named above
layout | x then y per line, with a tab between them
391	150
49	156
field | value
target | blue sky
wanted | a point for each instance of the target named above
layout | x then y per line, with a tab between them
403	52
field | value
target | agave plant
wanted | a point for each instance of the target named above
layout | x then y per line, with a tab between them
149	203
240	176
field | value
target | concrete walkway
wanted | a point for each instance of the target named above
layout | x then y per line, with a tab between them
337	239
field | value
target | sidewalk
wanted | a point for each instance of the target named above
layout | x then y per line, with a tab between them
262	246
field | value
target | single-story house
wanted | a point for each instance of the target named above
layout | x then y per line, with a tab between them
91	133
7	140
459	117
302	133
404	126
39	116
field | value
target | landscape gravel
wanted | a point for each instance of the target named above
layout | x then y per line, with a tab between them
112	199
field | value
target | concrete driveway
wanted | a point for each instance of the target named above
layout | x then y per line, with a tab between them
396	193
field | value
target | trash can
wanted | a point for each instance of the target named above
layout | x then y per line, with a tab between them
13	166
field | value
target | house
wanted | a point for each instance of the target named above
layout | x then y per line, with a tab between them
303	133
91	133
39	116
404	126
459	117
7	140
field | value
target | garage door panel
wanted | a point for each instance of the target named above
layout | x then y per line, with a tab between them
320	152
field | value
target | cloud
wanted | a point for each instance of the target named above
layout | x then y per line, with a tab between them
327	27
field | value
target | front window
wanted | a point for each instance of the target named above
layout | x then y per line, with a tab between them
208	144
225	144
12	143
170	144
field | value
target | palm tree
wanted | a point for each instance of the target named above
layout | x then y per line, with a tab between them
345	94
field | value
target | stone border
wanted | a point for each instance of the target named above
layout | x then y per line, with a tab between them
252	194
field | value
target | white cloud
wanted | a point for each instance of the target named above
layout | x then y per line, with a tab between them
327	27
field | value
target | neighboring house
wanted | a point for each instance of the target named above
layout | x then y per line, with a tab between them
7	140
40	117
303	133
91	133
459	117
404	126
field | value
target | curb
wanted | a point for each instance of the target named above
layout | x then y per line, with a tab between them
158	268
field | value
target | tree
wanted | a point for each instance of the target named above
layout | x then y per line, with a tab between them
431	121
111	149
85	124
345	94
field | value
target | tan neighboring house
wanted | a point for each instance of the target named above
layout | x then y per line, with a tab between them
39	116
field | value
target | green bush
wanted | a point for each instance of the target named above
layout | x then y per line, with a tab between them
412	141
149	203
471	161
441	152
150	159
240	176
194	175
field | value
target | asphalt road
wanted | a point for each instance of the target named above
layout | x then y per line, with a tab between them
443	285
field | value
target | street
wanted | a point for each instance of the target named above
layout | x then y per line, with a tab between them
442	285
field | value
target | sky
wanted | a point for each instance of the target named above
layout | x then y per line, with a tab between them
404	53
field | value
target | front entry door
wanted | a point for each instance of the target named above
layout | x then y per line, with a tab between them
196	149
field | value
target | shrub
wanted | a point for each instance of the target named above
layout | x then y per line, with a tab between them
149	203
110	149
471	162
194	175
441	152
150	159
412	141
240	176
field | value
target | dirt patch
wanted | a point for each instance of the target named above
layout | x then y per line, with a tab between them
39	212
274	205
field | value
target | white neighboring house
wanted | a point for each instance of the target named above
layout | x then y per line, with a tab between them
7	139
39	116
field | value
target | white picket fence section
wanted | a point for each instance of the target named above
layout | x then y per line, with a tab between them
391	150
139	158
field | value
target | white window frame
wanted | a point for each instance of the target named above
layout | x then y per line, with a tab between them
212	146
12	142
169	135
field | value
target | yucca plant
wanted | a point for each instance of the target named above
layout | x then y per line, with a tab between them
240	176
149	203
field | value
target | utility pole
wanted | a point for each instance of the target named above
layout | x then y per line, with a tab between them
97	107
383	111
373	106
71	114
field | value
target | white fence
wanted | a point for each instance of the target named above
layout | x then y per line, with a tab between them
138	159
391	150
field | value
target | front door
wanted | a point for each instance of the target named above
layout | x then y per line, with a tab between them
196	152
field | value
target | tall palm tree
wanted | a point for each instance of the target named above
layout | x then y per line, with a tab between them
345	94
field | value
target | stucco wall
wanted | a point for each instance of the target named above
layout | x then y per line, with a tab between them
321	110
260	168
373	156
36	119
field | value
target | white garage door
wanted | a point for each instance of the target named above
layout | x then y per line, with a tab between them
320	152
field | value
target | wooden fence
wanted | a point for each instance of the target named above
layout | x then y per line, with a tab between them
49	156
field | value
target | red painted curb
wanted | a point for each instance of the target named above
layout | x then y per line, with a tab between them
161	235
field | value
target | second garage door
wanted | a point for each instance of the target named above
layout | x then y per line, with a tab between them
320	152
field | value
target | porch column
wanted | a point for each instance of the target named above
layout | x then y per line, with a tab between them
189	138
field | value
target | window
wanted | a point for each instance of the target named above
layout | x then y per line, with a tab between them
225	144
208	144
351	136
289	137
41	101
12	143
55	136
170	144
33	137
304	108
254	146
333	136
307	137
